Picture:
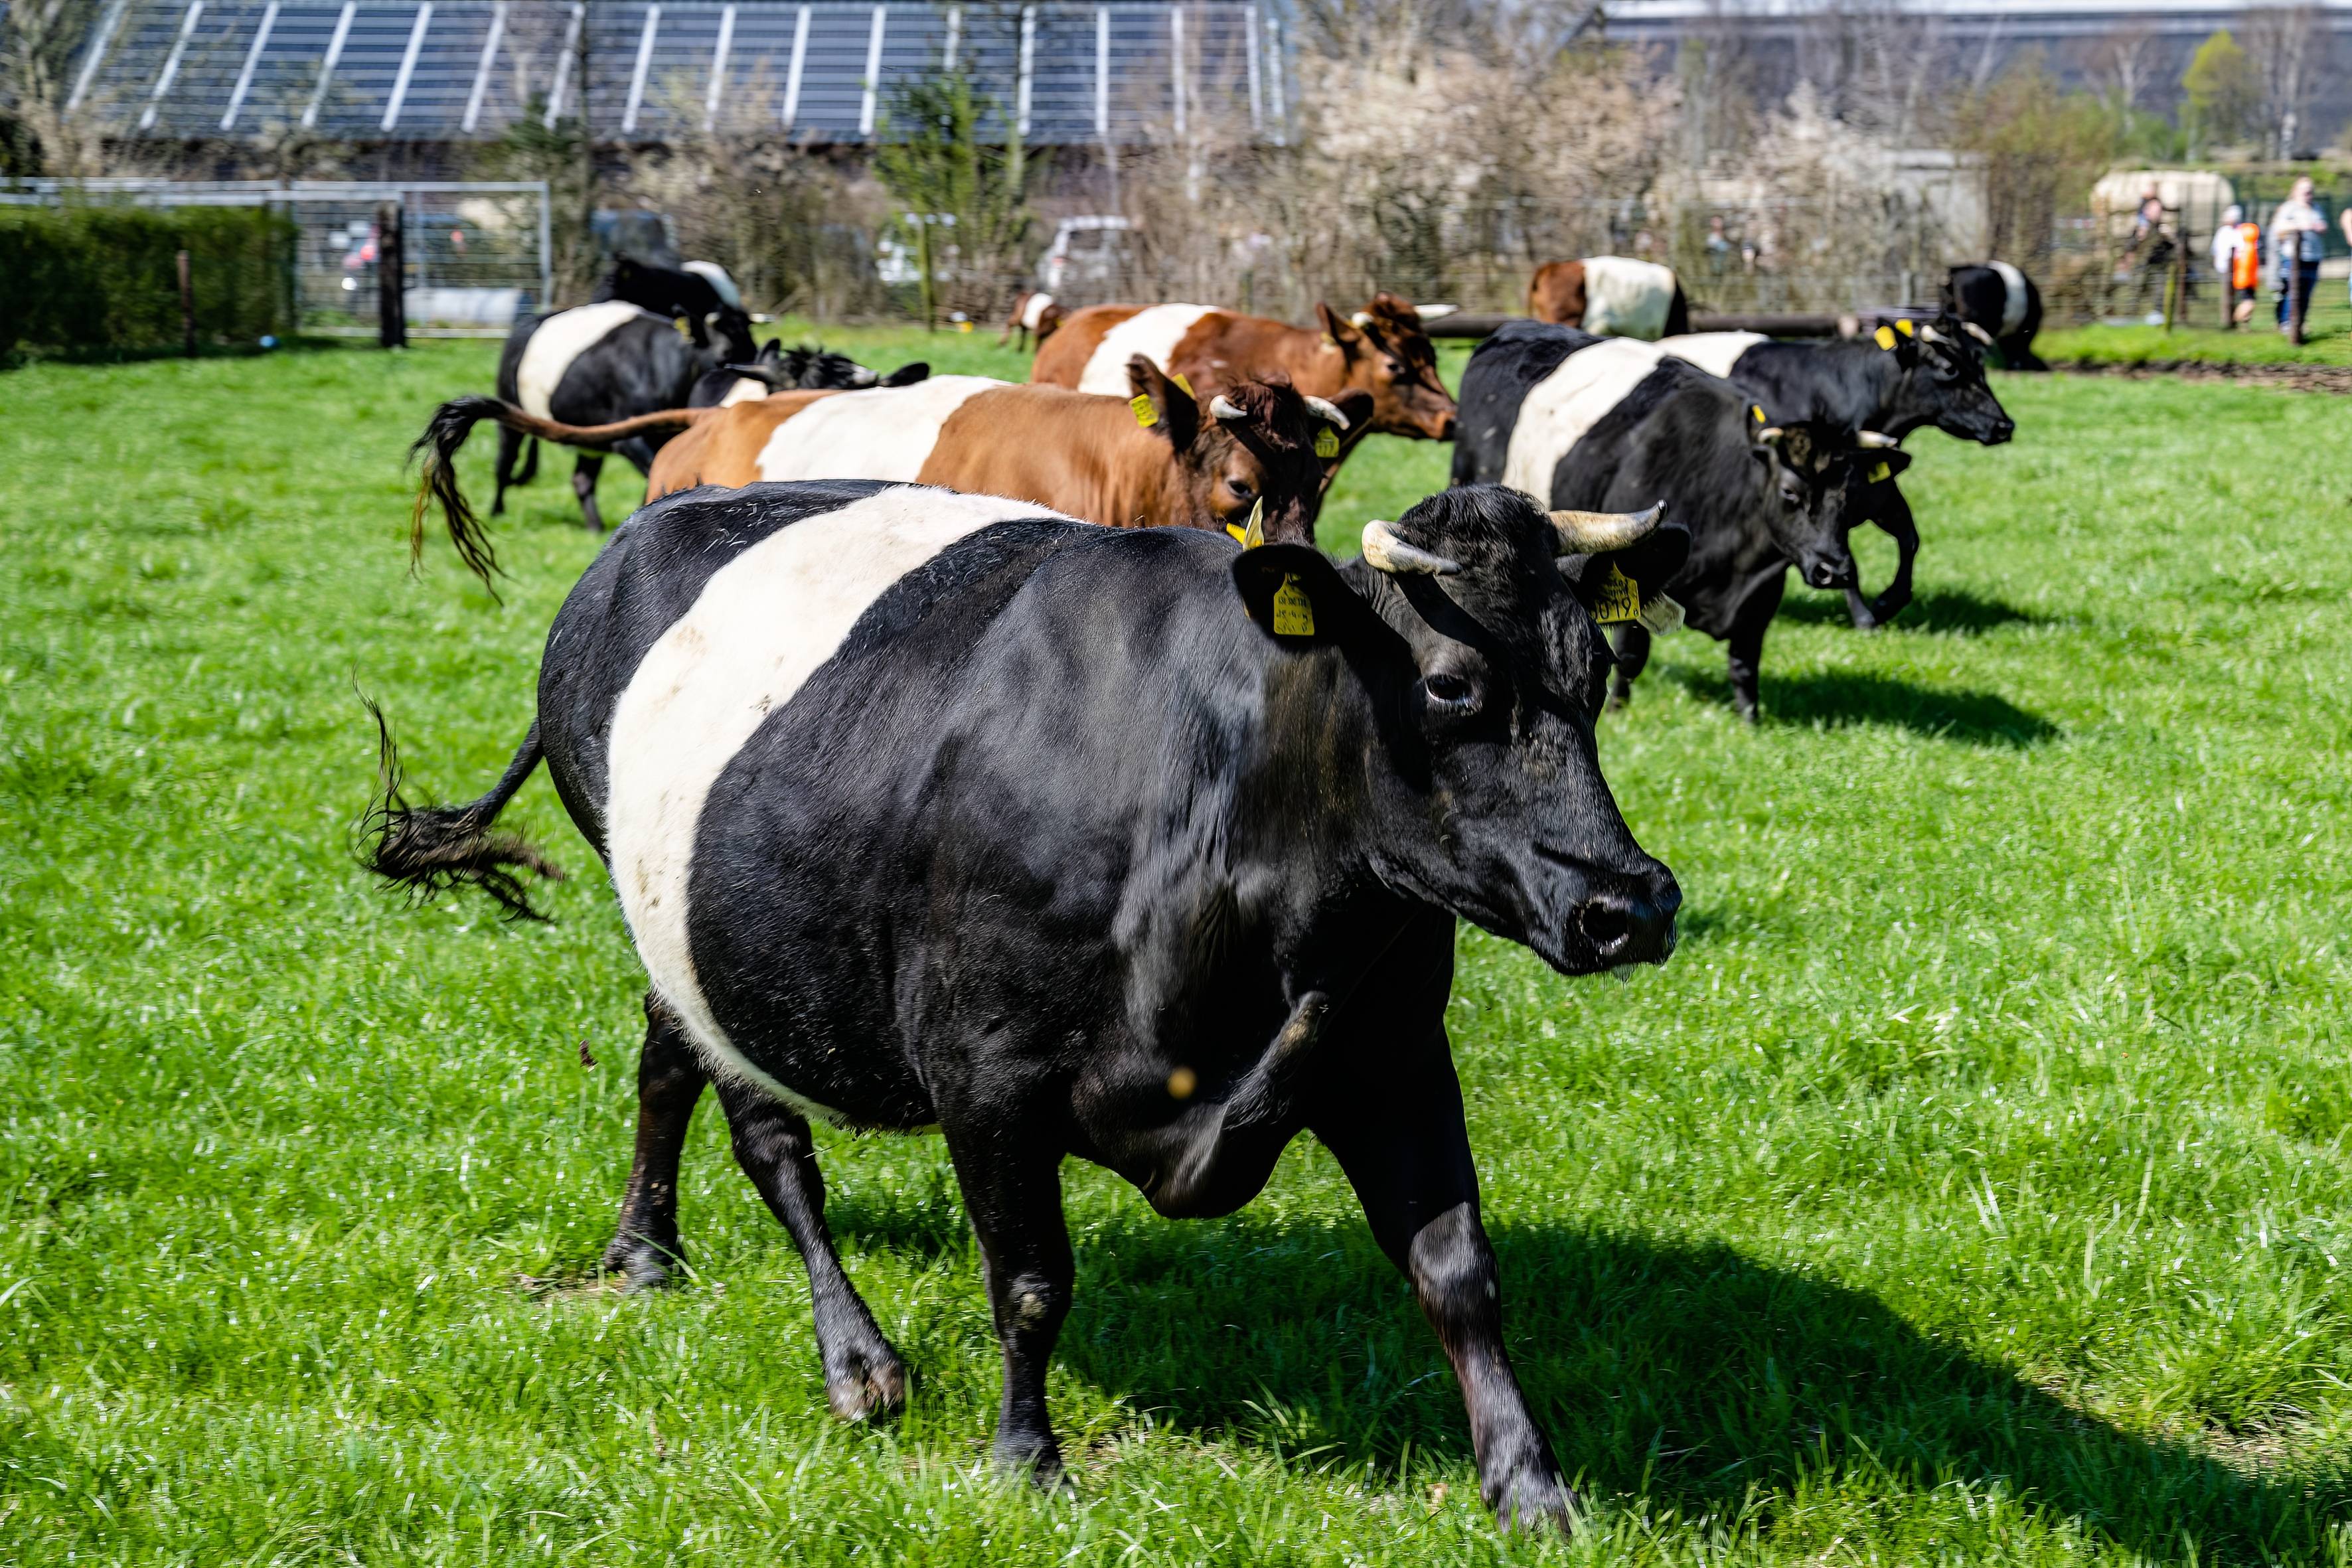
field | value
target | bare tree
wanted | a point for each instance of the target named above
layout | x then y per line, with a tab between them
2285	43
38	42
2123	62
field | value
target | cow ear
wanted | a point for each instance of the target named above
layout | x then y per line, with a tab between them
1884	464
1295	596
1160	405
1648	562
1339	330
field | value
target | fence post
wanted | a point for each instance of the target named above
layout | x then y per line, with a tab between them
187	309
390	278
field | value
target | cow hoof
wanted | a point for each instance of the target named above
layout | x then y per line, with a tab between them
1039	1459
872	1382
1536	1501
642	1263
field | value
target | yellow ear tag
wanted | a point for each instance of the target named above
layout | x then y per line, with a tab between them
1294	613
1883	337
1758	410
1620	599
1145	415
1183	386
1903	327
1254	535
1327	442
1879	472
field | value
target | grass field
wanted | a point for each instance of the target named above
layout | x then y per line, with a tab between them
1972	1187
2328	338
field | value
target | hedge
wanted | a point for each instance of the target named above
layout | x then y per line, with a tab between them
84	278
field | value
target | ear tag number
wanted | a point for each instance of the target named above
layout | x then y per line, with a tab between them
1620	599
1327	442
1145	415
1294	612
1183	386
1879	472
1883	337
1252	535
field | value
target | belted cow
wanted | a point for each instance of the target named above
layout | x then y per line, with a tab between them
2001	307
1572	419
700	293
595	364
1158	457
1381	350
1610	296
938	810
1892	384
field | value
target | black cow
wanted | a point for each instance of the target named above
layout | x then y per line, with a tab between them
1581	421
597	363
1890	384
803	369
1999	305
700	293
933	809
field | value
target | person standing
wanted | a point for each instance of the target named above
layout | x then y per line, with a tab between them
2298	236
2237	265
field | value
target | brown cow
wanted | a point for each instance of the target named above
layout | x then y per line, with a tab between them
1381	350
1034	316
1156	457
1610	295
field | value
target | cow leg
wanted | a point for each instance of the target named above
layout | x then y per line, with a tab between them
863	1374
669	1080
1747	640
509	449
1892	516
1011	1182
640	451
1630	641
1398	1134
529	462
583	485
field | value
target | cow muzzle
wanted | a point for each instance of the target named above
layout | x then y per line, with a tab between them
1621	928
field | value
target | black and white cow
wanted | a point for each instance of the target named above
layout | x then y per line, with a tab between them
803	369
594	364
2000	306
1609	423
938	810
700	293
1891	384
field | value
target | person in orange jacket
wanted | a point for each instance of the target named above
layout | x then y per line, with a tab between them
2238	264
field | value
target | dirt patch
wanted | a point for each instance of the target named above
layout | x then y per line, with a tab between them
2296	377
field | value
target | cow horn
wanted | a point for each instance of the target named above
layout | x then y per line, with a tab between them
1930	335
1590	532
1770	433
1361	319
1386	552
1977	332
1325	411
1432	312
1225	408
1874	441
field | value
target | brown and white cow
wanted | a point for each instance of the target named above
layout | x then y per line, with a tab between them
1381	350
1034	319
1611	297
1154	458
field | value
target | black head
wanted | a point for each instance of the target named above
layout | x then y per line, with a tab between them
1810	471
1250	447
1944	380
1470	623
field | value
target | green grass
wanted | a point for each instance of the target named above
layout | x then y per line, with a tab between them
2328	337
1972	1187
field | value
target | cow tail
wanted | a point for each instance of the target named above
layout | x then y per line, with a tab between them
426	850
446	431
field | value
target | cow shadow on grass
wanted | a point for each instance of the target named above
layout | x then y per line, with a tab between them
1687	1374
1843	698
1952	612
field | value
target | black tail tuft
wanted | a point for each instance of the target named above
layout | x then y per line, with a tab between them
426	850
450	424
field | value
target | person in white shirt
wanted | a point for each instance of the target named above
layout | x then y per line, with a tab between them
2298	238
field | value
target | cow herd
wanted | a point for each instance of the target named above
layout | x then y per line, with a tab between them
1006	760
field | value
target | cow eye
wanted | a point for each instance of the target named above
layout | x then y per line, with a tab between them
1450	693
1240	488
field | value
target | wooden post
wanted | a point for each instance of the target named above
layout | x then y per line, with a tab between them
391	280
187	309
2175	298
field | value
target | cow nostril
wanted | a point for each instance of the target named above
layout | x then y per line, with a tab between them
1604	924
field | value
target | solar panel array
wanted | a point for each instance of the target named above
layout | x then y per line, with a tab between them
435	70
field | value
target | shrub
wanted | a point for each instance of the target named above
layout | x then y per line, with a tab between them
102	279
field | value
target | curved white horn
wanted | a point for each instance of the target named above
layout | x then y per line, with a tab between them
1874	441
1930	335
1590	532
1225	408
1770	433
1431	313
1362	317
1977	332
1325	411
1385	552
